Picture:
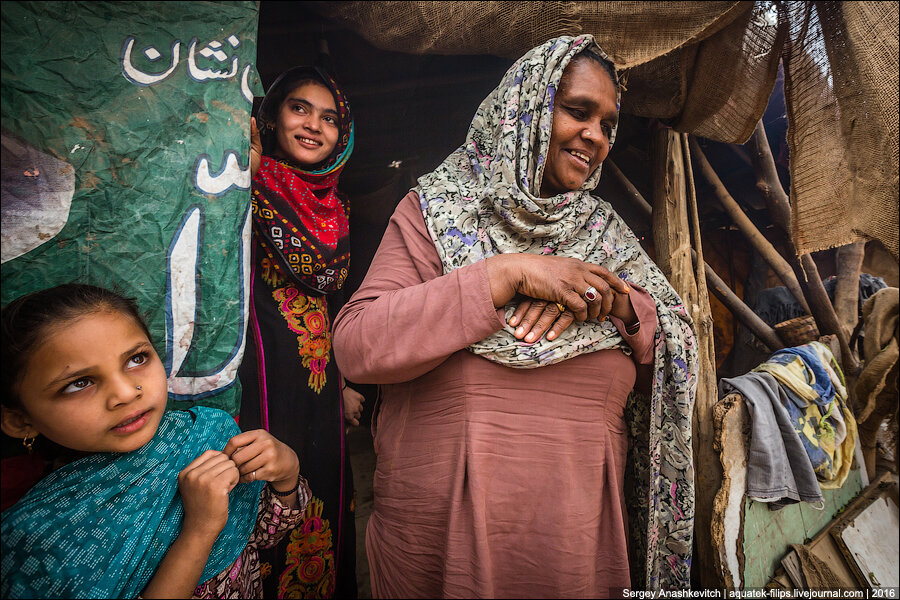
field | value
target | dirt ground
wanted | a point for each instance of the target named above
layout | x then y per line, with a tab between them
362	460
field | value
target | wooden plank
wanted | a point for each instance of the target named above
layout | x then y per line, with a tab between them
768	534
867	537
827	551
732	426
707	470
671	230
674	202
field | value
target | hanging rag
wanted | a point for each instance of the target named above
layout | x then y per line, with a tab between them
779	471
876	388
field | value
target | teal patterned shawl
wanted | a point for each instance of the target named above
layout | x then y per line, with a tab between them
99	527
484	200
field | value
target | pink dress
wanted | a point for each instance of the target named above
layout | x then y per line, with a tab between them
490	481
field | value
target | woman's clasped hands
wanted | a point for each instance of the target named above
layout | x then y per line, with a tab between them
556	291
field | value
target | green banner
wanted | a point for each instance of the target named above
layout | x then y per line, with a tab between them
125	139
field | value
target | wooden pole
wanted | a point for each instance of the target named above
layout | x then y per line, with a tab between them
671	231
633	193
707	466
768	183
672	239
762	330
743	222
848	261
805	268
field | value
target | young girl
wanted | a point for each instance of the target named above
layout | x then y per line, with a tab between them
153	502
291	386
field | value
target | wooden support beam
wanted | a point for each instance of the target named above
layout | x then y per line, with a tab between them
759	242
768	183
762	330
805	267
671	230
848	261
646	210
707	467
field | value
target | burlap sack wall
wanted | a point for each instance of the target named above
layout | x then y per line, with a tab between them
841	85
708	68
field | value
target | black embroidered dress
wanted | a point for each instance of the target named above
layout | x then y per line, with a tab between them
291	385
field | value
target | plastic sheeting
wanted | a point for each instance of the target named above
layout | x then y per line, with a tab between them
125	133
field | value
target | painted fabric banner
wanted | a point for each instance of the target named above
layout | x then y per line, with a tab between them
125	163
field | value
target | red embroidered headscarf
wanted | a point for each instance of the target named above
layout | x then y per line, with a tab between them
297	214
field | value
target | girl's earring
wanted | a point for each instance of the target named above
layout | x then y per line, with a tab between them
29	443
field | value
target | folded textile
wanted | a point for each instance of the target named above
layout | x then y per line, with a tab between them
813	382
779	471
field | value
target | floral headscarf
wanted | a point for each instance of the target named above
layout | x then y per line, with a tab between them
484	199
271	104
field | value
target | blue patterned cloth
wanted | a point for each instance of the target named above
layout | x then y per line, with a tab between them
99	527
814	397
817	379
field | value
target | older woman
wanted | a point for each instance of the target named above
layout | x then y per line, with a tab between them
501	450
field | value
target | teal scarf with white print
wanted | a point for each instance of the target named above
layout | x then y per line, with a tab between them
99	526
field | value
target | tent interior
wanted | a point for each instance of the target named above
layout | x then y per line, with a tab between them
412	110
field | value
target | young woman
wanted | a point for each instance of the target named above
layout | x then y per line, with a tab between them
291	386
151	503
501	451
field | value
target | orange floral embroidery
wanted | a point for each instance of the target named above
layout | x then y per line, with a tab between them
271	273
307	317
309	558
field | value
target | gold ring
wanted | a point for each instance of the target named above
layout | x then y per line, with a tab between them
561	307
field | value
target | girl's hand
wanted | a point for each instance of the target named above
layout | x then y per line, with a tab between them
204	486
259	456
255	148
353	405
